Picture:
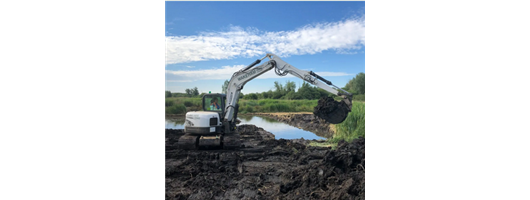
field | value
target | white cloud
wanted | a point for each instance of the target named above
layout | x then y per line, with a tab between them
225	73
190	66
222	73
342	36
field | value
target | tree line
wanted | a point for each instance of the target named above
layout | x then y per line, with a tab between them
356	86
190	92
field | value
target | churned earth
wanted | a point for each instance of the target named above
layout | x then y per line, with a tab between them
265	168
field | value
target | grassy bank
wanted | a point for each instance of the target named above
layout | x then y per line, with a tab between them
353	126
350	129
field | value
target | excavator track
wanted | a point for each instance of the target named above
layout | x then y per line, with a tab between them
189	142
194	142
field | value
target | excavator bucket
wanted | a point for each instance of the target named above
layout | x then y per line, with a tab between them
332	111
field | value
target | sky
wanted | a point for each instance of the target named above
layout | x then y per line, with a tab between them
207	42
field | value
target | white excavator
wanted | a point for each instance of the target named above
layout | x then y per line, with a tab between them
215	126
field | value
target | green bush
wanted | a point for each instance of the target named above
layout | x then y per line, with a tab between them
176	109
252	103
188	103
169	102
249	109
359	97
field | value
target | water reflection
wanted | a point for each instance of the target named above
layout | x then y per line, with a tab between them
175	122
279	129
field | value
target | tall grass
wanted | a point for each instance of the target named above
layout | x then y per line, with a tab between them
276	105
176	109
180	105
353	126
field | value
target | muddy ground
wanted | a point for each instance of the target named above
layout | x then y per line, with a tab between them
265	168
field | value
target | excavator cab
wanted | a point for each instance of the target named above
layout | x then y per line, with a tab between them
214	102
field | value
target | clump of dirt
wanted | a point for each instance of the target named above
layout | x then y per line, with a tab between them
265	168
330	110
251	130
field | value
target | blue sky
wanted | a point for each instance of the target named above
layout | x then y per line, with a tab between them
206	42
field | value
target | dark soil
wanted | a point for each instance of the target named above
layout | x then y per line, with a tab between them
330	110
265	168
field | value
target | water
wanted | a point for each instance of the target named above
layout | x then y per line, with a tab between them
175	122
279	129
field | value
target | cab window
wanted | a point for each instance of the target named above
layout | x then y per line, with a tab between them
212	103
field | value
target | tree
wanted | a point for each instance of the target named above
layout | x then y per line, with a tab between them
195	91
306	91
290	86
278	86
189	92
279	90
251	96
168	93
359	82
267	94
225	85
351	86
324	93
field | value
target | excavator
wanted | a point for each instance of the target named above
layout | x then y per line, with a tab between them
215	126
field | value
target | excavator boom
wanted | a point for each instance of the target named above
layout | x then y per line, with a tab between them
328	109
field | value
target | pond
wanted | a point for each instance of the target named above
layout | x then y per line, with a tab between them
279	129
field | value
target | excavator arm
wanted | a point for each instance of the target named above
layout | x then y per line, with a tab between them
328	109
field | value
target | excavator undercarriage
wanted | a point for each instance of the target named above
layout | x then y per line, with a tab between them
222	141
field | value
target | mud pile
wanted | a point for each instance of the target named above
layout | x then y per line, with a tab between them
265	168
330	110
339	175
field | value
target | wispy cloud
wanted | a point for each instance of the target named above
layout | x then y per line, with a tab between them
342	36
222	73
190	66
225	73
